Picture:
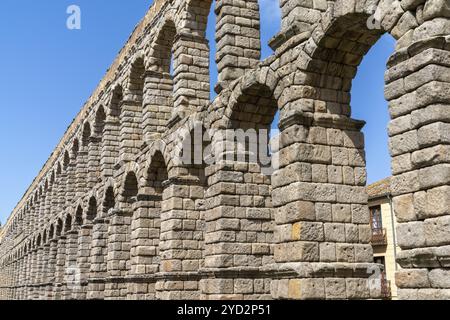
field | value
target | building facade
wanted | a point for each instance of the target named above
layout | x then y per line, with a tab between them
384	235
115	214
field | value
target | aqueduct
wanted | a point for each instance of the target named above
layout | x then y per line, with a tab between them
114	211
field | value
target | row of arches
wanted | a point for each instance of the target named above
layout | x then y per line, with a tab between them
227	230
127	115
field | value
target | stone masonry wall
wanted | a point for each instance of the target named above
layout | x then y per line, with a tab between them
113	214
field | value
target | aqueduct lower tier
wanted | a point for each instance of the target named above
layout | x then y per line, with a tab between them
113	215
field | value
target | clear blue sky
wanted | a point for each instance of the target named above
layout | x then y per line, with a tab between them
48	72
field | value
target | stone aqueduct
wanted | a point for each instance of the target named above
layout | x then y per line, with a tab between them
112	210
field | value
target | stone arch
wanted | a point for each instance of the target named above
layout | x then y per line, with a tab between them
328	162
99	122
159	56
145	227
86	134
109	199
194	18
75	148
136	78
253	103
66	160
129	188
115	103
91	212
68	221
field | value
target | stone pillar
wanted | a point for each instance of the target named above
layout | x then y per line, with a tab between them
157	105
98	256
81	173
238	39
51	271
118	255
93	163
130	129
110	146
38	272
181	238
239	225
47	206
83	259
62	187
322	220
72	267
19	282
70	190
145	227
60	286
191	74
26	276
418	90
33	274
43	273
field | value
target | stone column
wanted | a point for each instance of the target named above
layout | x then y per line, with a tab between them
43	274
110	146
239	225
26	276
51	271
323	232
93	164
418	90
130	130
144	254
61	195
238	39
83	259
38	272
32	274
70	187
157	105
48	205
60	286
98	256
20	279
118	254
181	238
72	268
191	74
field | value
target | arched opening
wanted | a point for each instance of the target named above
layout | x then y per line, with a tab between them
368	103
130	189
99	124
161	57
66	160
145	230
111	133
159	82
132	109
109	200
75	148
115	108
79	217
333	146
91	213
86	134
68	223
136	81
240	191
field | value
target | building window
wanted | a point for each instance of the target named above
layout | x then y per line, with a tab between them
380	260
375	218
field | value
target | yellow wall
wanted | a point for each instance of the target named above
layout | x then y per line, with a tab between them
387	251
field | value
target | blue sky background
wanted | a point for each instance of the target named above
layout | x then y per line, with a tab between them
47	72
